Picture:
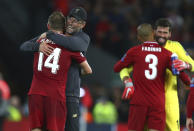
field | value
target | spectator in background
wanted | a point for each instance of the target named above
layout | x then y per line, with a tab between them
122	106
4	97
104	112
86	103
14	109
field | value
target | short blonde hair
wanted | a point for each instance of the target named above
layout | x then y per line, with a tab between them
57	20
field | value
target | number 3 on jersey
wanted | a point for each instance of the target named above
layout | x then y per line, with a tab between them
152	66
54	57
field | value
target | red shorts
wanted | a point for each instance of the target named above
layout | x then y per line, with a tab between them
47	113
139	116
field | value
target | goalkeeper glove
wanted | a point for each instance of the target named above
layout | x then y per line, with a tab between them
181	65
129	89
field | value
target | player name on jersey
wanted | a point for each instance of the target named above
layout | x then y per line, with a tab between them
47	40
152	49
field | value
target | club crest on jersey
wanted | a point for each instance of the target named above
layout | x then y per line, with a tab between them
81	54
122	59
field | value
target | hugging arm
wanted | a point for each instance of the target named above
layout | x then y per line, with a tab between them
30	45
77	42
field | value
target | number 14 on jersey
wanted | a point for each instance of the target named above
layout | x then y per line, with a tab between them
51	61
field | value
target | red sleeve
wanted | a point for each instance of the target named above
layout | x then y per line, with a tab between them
185	78
4	89
78	56
190	103
190	99
125	61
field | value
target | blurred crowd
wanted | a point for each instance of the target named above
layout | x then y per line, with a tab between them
112	23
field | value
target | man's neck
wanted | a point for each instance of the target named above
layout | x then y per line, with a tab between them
57	31
164	44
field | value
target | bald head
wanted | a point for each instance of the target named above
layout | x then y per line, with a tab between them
145	32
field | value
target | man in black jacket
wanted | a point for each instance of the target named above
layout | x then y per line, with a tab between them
77	41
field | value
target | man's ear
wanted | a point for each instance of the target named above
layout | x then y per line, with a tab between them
83	24
48	26
139	38
154	32
170	34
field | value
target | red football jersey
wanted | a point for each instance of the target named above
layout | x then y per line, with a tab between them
50	72
190	99
190	103
149	61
